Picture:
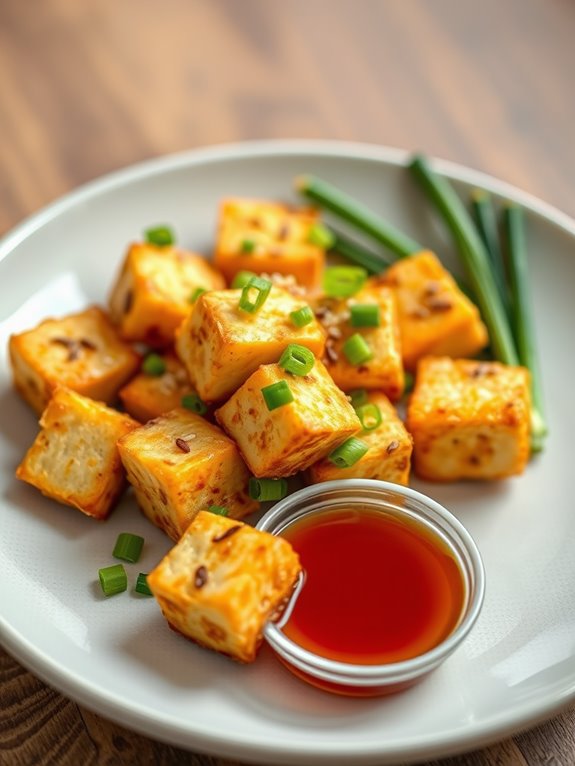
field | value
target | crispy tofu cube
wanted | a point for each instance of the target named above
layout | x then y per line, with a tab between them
221	345
290	438
384	371
154	290
80	351
74	458
180	464
147	396
222	582
389	454
268	237
435	317
469	419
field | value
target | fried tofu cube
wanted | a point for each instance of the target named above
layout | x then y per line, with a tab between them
436	318
154	292
389	454
268	237
179	464
221	345
469	419
384	371
80	351
289	438
148	396
222	582
74	458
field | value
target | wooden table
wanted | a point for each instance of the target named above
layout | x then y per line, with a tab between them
87	87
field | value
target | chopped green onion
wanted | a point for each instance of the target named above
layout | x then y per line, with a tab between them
357	350
409	381
343	281
522	318
354	212
241	279
161	236
473	255
142	585
261	287
321	236
154	365
219	510
297	359
247	246
358	397
277	394
193	402
267	489
348	453
113	579
302	316
374	263
196	294
364	315
369	415
128	547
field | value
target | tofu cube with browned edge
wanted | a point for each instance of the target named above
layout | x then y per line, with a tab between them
74	459
289	438
80	351
388	457
147	396
179	464
155	289
469	419
222	582
435	317
221	345
268	237
384	370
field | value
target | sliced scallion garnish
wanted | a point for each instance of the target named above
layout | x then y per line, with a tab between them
241	279
254	294
277	395
321	236
364	315
247	246
196	294
128	547
113	579
348	453
302	316
356	350
358	397
193	402
267	489
343	281
219	510
142	585
160	236
154	365
369	415
296	359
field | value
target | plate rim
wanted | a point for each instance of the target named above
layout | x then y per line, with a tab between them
139	718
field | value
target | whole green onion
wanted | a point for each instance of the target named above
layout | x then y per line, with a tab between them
277	395
296	359
348	453
373	263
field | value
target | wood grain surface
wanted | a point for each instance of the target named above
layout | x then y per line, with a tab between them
88	86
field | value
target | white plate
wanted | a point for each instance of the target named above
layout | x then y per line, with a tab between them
117	656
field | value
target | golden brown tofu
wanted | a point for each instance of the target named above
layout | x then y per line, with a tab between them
221	345
222	582
81	351
435	317
154	291
289	438
268	237
180	464
74	458
469	419
384	371
147	396
389	454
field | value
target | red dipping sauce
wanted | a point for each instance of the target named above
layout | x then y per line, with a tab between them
378	588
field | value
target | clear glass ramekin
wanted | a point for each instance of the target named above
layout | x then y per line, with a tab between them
371	680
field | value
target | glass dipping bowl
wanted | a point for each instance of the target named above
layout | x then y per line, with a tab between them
401	502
